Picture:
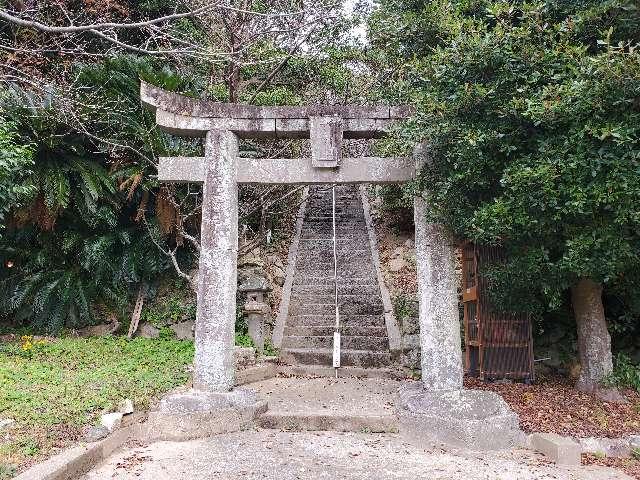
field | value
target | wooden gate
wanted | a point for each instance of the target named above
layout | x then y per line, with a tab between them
498	344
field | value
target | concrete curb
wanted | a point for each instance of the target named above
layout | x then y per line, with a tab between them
562	450
283	310
76	461
393	331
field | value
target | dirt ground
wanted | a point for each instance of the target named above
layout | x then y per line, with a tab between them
277	455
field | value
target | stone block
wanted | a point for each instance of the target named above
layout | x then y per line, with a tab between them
470	419
183	330
196	414
244	357
611	447
111	421
326	141
562	450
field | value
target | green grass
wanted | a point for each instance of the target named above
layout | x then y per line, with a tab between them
52	390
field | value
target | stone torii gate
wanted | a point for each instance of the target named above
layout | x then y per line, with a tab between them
221	170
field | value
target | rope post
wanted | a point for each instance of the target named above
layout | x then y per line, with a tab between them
336	333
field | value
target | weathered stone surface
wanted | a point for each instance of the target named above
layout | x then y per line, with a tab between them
216	312
126	406
156	98
634	441
611	447
278	455
111	421
562	450
244	357
326	141
294	171
438	304
471	419
99	330
6	422
183	330
95	433
398	264
146	330
195	413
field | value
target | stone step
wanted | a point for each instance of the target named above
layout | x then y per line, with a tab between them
343	372
349	342
310	320
303	422
325	256
346	303
344	289
344	271
330	309
346	234
307	280
324	356
326	330
325	261
356	297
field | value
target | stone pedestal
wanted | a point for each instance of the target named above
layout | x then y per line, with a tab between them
197	414
471	419
216	313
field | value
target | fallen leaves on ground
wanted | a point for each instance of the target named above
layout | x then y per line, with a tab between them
553	405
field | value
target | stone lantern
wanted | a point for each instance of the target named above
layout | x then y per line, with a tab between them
257	310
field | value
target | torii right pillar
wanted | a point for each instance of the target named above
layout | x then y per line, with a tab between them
438	410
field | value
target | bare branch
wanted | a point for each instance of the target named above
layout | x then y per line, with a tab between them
4	14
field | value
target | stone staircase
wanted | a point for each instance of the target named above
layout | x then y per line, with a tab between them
309	327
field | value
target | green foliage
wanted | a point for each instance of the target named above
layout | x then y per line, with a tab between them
531	114
173	309
405	306
53	390
70	380
270	350
626	374
243	340
7	471
16	159
57	277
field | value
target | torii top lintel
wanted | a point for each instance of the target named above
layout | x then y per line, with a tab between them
187	116
326	126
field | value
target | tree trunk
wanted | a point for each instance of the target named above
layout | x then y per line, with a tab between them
594	341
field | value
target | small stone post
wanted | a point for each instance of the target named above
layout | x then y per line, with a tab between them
440	343
216	313
256	309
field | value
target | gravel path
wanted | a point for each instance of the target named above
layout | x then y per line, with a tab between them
277	455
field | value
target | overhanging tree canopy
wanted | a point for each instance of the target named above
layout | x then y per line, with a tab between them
532	114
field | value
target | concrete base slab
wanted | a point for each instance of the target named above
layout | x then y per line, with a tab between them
190	414
274	455
469	419
343	404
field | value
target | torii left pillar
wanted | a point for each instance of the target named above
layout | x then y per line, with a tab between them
216	313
